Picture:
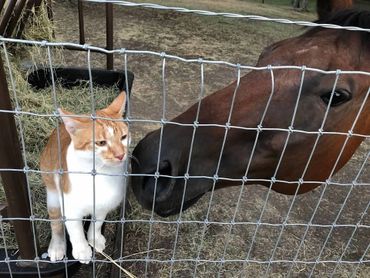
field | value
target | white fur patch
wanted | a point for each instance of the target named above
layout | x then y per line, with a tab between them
53	199
127	141
110	131
109	189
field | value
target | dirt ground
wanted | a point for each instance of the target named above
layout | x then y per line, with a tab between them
237	41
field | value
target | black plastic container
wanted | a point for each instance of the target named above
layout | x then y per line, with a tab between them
71	77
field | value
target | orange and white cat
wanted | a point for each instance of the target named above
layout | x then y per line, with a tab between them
77	190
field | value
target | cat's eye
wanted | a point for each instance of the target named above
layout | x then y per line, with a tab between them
101	143
123	137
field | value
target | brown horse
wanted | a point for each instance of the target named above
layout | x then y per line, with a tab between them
287	129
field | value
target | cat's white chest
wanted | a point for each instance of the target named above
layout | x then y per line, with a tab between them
102	192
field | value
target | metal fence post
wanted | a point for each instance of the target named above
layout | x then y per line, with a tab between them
7	14
18	9
109	29
14	182
81	23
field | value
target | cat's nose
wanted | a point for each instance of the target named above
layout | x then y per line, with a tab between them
120	156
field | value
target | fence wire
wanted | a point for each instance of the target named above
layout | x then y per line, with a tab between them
229	15
179	222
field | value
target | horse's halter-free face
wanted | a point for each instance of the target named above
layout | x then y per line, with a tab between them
288	128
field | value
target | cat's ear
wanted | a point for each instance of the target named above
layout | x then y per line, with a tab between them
71	124
118	104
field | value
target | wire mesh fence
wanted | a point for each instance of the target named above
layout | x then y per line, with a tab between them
325	234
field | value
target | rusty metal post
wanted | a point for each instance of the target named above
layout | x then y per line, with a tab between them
4	210
14	183
15	18
38	4
81	23
27	14
2	5
49	10
6	16
109	29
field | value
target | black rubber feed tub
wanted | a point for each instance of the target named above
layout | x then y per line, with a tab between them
71	77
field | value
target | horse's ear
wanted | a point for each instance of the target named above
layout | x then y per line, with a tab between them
326	7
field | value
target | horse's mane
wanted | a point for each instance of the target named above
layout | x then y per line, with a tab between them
354	18
348	18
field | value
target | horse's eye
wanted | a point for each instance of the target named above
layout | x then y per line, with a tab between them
339	97
123	137
101	143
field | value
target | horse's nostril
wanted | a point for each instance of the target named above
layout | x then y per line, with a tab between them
162	185
165	168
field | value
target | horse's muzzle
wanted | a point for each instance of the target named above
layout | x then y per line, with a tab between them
158	184
155	184
162	186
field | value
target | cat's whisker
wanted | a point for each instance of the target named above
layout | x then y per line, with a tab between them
134	159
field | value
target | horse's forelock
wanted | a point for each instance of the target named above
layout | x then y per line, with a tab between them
349	17
345	18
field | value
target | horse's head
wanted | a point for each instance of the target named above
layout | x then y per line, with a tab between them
287	127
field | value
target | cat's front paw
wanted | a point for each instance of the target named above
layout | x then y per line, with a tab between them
57	249
99	242
82	252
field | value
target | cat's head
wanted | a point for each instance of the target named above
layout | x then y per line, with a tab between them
111	136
